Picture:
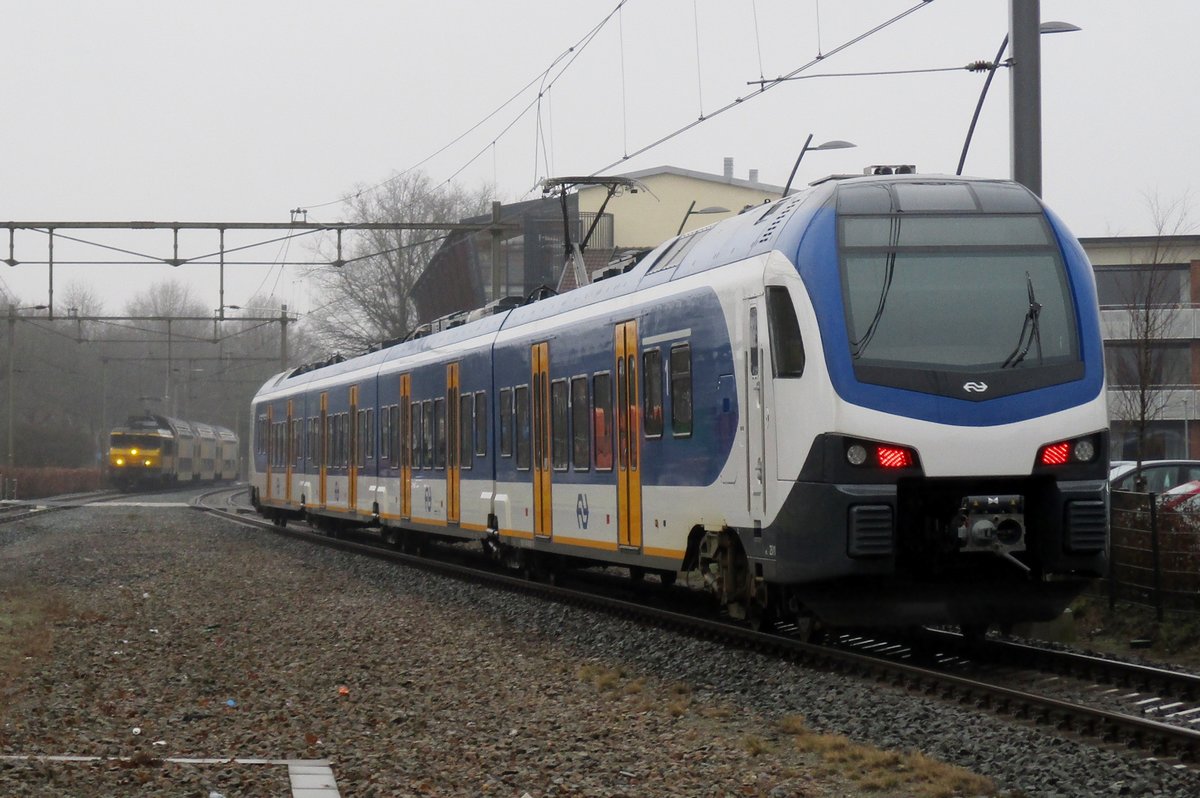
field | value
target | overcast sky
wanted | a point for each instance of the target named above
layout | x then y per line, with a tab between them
239	110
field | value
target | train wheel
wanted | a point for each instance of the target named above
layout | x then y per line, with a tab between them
667	577
391	536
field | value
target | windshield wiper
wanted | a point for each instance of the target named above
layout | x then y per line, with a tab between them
1030	331
889	271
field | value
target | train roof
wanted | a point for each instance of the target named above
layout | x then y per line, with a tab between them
165	425
757	230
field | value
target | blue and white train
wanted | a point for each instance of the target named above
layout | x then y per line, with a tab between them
879	401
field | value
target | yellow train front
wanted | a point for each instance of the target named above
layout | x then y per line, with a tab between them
142	453
150	451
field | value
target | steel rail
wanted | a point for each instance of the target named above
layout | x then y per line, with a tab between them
1100	725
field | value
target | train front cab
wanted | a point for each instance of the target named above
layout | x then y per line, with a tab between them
958	474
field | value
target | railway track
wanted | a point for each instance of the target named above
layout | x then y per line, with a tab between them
1152	711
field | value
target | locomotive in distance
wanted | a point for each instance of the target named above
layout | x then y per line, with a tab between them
879	401
156	451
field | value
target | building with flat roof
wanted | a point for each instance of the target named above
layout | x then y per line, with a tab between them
1149	293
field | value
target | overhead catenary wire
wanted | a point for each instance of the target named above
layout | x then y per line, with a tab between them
972	67
767	86
572	52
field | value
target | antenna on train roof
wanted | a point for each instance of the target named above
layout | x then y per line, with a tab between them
574	252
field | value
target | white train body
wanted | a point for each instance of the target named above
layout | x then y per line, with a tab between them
880	401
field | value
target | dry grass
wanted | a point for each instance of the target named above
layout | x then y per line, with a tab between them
910	773
27	616
34	483
833	757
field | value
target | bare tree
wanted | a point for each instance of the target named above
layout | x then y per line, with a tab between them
367	299
1151	305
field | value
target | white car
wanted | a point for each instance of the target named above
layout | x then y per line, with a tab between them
1154	476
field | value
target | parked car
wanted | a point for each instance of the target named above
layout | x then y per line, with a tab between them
1154	476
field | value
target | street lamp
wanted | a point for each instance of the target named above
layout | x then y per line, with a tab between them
991	67
836	144
12	351
690	212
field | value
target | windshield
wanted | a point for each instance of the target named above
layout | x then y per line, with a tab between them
955	292
120	440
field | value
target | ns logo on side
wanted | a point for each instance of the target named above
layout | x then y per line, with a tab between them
975	387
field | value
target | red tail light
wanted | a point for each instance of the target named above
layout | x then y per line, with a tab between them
893	457
1056	454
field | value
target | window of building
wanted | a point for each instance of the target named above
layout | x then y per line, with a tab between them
1160	363
1152	285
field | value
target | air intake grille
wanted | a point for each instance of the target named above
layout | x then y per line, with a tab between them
1087	526
869	532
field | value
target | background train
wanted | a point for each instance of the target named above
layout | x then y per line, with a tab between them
876	402
149	451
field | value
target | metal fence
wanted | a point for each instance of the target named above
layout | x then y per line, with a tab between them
1154	552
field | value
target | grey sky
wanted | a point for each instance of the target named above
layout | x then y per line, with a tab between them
240	111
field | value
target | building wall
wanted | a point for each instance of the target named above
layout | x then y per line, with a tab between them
649	217
1176	428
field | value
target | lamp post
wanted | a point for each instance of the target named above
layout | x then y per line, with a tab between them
691	212
836	144
1045	27
12	352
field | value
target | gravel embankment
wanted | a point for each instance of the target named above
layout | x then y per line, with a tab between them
212	640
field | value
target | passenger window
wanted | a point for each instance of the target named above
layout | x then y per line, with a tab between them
396	435
427	434
558	425
466	425
521	397
506	422
602	420
681	390
481	424
385	433
418	433
439	423
652	395
787	348
581	450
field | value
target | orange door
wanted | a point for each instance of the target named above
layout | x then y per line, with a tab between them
406	453
453	430
629	438
543	519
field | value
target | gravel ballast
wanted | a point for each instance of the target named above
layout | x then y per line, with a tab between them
188	637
